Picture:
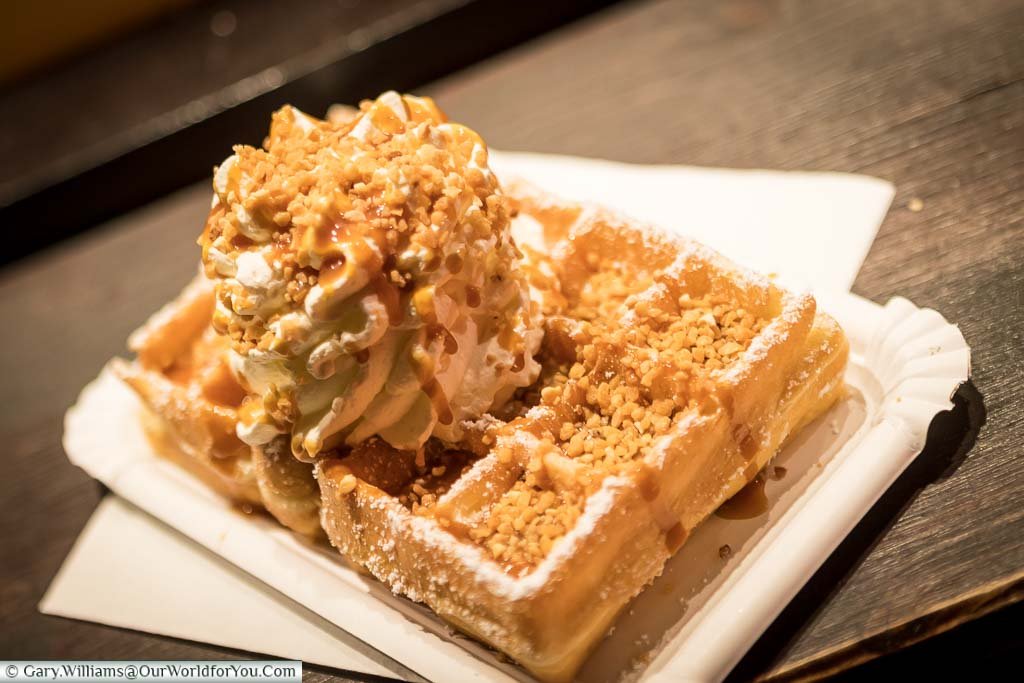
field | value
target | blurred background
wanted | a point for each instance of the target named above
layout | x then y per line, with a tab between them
115	111
146	96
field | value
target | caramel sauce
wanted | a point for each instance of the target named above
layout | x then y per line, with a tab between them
431	457
535	426
390	298
386	120
453	264
461	135
432	388
332	270
432	264
472	296
648	483
519	363
451	344
438	331
748	503
777	473
327	238
281	244
423	109
436	394
241	242
377	463
676	537
559	341
234	179
208	228
363	256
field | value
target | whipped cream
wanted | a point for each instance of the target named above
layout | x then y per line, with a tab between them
368	280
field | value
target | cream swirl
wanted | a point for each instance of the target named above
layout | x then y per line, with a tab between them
367	279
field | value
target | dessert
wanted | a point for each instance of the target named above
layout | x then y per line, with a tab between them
656	379
366	279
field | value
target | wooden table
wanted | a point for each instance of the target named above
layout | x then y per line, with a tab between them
927	95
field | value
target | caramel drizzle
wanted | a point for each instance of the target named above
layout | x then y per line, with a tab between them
473	296
438	331
389	296
647	479
453	264
676	537
358	235
748	503
519	363
432	388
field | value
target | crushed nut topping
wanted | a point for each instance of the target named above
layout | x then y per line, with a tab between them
381	238
396	178
622	362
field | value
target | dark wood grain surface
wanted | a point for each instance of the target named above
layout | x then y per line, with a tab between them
927	95
206	58
152	113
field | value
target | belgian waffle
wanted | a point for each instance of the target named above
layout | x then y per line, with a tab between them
183	377
669	378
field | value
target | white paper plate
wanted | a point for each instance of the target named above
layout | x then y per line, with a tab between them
692	623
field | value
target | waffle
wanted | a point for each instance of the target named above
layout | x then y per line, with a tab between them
669	378
192	399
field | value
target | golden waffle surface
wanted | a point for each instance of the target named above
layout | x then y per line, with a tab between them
670	377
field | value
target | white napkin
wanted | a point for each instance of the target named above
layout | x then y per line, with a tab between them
814	229
130	570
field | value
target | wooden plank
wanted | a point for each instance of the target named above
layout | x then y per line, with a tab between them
928	95
189	55
180	95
